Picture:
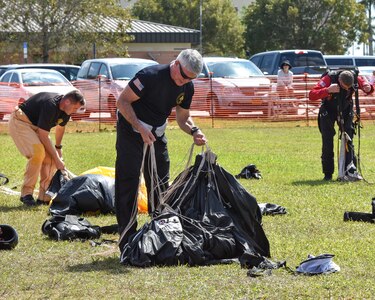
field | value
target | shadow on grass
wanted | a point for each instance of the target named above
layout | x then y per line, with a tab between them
110	264
313	182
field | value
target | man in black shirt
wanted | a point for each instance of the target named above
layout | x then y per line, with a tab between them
144	107
29	126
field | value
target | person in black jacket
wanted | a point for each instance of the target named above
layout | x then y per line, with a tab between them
336	89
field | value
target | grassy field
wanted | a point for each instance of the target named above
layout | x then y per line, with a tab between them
288	156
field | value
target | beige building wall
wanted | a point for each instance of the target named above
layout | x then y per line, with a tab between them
238	4
163	53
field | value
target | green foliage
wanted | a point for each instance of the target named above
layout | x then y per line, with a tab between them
68	25
222	30
288	156
327	25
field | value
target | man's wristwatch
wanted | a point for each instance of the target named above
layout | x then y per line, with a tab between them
193	130
58	146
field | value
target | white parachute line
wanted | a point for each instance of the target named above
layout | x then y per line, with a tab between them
155	180
177	183
182	180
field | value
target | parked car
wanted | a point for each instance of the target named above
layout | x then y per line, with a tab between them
17	85
366	72
302	61
230	85
349	60
69	71
101	81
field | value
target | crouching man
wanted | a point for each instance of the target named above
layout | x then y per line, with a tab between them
29	126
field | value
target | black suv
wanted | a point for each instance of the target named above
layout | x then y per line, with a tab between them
69	71
302	61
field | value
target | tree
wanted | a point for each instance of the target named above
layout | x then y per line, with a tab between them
327	25
222	32
369	4
52	24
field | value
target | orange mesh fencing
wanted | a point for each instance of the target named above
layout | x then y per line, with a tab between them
256	98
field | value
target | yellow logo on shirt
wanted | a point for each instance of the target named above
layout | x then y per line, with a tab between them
180	98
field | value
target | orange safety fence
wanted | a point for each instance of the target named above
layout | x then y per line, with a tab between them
255	98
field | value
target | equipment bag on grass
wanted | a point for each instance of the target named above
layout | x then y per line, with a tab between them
69	227
89	193
315	265
205	217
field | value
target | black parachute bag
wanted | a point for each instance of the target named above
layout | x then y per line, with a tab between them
57	182
69	228
206	217
90	193
248	172
361	216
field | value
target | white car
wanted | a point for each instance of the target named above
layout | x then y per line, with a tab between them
230	85
17	85
102	80
366	72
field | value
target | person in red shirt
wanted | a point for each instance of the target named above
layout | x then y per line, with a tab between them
336	89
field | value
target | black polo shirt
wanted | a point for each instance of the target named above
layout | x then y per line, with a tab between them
43	111
158	94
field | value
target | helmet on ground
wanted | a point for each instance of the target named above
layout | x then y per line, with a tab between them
8	237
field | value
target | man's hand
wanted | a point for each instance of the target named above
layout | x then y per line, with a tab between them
60	165
199	138
147	136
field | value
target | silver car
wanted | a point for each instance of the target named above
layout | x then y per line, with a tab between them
17	85
230	85
101	81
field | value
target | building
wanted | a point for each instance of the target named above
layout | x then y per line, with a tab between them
238	4
156	41
160	42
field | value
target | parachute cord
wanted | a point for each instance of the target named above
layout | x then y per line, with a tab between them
182	180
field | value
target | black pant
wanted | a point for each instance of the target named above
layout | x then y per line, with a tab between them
326	121
129	147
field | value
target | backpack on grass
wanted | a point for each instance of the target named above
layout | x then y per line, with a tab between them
70	227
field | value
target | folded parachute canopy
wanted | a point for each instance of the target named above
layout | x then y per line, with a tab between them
205	217
92	192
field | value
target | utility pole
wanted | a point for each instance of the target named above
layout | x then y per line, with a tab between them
200	27
370	40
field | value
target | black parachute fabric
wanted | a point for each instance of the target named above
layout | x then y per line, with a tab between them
206	217
70	227
91	193
57	182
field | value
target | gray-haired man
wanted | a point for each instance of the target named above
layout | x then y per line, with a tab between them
144	106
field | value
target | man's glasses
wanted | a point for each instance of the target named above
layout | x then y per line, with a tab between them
183	73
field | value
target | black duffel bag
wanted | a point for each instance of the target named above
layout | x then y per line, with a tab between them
70	227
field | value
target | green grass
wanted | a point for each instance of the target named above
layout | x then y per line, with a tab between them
288	156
